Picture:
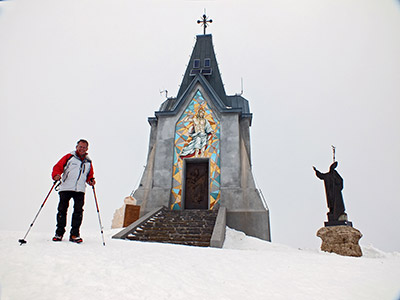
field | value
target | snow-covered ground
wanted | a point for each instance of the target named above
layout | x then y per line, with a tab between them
246	268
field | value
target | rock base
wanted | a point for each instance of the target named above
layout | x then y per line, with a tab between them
342	240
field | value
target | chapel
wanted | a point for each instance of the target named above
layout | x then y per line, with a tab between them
199	154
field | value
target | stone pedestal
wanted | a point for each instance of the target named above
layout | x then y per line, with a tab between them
338	223
342	240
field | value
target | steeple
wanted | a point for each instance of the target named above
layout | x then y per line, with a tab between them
203	67
204	62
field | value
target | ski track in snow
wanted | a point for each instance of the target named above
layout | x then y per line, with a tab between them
246	268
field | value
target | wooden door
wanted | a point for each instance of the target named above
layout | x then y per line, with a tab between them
196	184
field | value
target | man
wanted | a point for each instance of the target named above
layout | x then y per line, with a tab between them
76	170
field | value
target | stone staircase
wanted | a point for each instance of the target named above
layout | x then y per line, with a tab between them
187	227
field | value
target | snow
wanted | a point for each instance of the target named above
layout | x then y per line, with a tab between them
246	268
315	73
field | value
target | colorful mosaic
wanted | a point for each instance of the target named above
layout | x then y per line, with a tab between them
197	134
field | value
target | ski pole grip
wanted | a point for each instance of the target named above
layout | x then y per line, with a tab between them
56	186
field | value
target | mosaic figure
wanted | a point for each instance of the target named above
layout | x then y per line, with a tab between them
200	132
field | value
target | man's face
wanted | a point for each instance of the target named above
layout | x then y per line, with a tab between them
81	148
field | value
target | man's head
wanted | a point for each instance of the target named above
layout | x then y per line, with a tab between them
200	112
82	147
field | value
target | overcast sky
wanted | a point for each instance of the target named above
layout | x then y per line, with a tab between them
316	72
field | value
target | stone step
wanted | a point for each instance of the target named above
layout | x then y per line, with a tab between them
187	243
172	230
176	238
175	224
187	227
183	220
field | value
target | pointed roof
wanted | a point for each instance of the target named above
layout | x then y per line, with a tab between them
203	69
203	61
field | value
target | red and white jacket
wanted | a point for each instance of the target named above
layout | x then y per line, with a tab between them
76	172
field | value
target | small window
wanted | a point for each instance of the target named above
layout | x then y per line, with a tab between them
207	63
196	63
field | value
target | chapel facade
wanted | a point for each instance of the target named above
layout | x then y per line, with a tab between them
199	154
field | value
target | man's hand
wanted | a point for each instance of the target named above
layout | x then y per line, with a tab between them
57	177
92	182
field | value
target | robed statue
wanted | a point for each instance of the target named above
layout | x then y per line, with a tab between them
333	189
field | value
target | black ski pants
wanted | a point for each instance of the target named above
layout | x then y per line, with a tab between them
77	215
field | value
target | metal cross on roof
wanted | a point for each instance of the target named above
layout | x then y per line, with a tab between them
204	22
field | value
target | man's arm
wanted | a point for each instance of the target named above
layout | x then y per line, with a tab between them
90	179
58	169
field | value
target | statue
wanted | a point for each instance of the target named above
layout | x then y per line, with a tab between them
333	189
338	235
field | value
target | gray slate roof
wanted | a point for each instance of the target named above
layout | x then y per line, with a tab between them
204	49
210	76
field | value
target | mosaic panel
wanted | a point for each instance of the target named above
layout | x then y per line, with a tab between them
197	134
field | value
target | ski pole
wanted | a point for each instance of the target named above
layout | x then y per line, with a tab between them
23	241
98	214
